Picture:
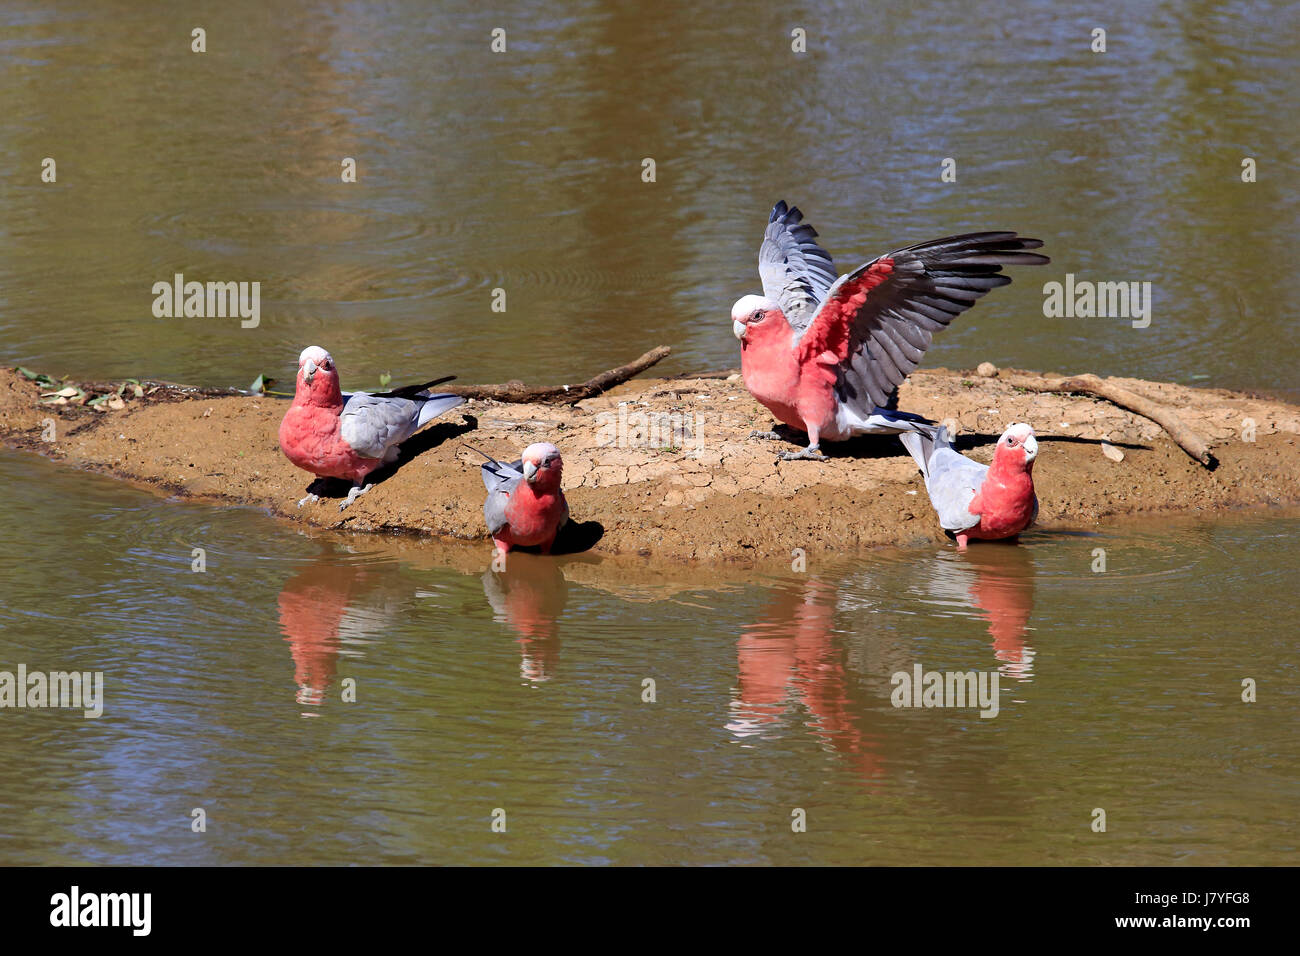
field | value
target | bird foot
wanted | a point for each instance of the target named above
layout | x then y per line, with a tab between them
310	499
766	436
811	453
356	492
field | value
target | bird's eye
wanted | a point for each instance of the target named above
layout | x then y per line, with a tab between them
759	316
1011	442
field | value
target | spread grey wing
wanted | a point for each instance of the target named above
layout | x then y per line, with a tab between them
890	327
796	271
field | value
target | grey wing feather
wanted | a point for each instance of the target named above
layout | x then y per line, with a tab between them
951	479
931	283
375	424
796	271
952	483
494	510
500	476
500	480
415	391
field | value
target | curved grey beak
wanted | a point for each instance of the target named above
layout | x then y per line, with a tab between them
738	328
529	470
308	371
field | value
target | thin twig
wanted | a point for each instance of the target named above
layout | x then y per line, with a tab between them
519	393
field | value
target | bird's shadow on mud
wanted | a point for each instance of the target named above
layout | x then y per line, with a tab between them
431	437
977	439
888	446
412	448
869	447
863	446
575	537
578	536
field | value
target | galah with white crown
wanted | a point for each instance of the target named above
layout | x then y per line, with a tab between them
334	434
525	506
826	355
975	500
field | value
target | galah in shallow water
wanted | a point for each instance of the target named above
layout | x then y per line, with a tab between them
826	355
525	506
974	500
336	435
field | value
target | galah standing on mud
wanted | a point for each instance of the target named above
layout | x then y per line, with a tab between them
525	506
337	435
974	500
825	355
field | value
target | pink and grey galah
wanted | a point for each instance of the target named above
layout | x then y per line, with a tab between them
975	500
525	506
826	355
334	434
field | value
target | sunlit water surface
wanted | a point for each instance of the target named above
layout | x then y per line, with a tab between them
226	690
522	171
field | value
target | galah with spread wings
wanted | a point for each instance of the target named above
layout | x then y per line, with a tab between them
825	355
974	500
333	434
525	506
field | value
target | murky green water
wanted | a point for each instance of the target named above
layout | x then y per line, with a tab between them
475	691
522	171
224	690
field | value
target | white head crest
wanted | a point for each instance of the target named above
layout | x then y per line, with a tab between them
1023	435
317	355
748	304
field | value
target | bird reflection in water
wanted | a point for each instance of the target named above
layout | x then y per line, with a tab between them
789	658
335	605
528	597
996	581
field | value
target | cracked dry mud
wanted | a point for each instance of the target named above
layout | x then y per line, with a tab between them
668	470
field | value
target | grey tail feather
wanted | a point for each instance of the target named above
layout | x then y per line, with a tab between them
919	447
921	444
413	391
436	405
